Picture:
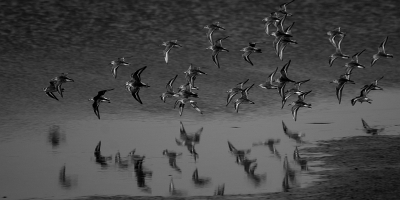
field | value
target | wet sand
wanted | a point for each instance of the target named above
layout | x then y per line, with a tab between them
361	167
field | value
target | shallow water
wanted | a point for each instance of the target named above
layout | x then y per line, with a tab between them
40	135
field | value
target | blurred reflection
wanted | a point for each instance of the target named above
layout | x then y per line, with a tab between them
292	134
172	159
55	137
173	191
271	145
121	162
136	159
290	176
100	159
220	190
301	161
141	174
371	130
199	181
238	153
249	167
193	137
66	181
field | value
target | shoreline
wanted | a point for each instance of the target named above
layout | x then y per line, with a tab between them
359	167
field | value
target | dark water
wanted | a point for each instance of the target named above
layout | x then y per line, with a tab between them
39	136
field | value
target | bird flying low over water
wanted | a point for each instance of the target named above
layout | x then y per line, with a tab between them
168	46
381	52
181	103
136	83
170	90
333	34
50	89
363	96
211	28
249	50
115	64
216	48
59	80
343	79
338	53
98	99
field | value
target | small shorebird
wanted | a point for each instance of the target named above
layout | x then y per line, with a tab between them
211	28
281	45
216	48
338	53
362	97
283	9
354	63
135	84
50	89
381	52
181	103
168	46
371	130
59	80
269	83
190	75
170	90
333	34
234	91
184	91
291	134
271	19
296	105
248	50
283	79
343	79
243	99
373	85
98	99
115	64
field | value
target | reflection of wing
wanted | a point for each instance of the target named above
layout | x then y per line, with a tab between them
365	125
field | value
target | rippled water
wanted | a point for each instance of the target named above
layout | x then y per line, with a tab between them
41	39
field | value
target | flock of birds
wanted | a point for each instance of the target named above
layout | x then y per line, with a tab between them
282	37
185	93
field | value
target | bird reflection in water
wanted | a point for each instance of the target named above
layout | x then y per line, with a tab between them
66	181
289	177
173	191
199	181
271	145
55	136
220	190
141	174
299	160
189	140
100	159
293	134
172	159
250	166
